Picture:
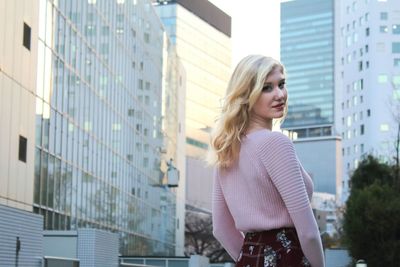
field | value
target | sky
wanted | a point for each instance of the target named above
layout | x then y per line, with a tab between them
255	27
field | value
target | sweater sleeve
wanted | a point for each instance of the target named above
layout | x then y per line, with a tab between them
224	228
279	158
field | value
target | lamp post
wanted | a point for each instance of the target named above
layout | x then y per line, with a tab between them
361	263
172	174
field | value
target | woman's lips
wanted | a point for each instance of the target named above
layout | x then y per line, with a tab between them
280	106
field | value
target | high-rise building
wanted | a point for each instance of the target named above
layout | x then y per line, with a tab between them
307	51
201	33
21	239
368	78
92	123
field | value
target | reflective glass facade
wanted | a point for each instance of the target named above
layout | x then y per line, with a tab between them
98	123
307	51
205	52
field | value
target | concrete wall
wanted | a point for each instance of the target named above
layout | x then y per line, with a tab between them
17	101
199	183
321	158
25	226
92	247
97	248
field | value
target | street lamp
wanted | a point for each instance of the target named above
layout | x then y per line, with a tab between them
172	174
361	263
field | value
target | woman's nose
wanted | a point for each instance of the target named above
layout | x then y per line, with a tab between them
279	93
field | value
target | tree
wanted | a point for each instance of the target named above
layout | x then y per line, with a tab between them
199	239
372	217
369	171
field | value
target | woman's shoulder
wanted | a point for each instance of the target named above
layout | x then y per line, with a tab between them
267	137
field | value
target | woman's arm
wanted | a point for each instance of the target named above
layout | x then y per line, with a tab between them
279	158
224	228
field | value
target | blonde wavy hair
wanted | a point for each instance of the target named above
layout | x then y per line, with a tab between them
244	89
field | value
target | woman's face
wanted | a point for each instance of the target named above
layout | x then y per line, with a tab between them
272	101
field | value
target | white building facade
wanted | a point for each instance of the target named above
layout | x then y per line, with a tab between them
367	76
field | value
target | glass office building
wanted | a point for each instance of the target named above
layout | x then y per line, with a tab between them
307	51
201	33
98	123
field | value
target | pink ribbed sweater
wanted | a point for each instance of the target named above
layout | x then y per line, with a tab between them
266	189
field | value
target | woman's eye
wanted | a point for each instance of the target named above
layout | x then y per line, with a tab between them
267	88
282	85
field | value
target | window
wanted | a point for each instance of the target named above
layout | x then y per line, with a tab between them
90	30
396	95
380	47
367	64
361	115
348	121
146	37
355	37
361	99
396	81
361	84
362	129
360	66
145	162
105	30
367	32
366	48
362	148
383	29
356	163
382	78
384	15
23	142
396	62
348	41
27	36
368	112
396	47
396	28
384	127
348	58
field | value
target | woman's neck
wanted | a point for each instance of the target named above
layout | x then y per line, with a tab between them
256	124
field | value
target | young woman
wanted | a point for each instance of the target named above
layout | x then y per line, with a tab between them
261	197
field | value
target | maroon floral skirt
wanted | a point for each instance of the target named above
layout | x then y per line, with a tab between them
275	248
